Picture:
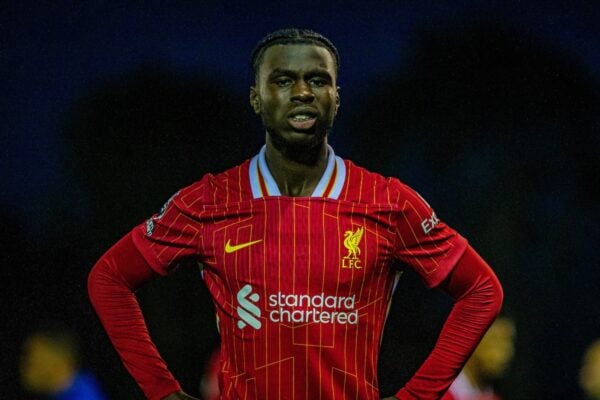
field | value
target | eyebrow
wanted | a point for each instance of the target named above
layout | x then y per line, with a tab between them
312	72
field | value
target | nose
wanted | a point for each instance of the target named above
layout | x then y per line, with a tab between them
301	92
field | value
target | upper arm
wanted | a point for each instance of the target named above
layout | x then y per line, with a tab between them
423	241
171	234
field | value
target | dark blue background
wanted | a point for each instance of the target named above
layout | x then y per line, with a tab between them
488	108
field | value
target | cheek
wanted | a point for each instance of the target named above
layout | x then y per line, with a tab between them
331	100
272	104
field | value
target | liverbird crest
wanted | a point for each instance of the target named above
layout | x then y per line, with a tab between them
352	241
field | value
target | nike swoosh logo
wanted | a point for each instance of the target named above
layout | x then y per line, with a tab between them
229	248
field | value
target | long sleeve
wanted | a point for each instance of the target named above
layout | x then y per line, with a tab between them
111	285
478	296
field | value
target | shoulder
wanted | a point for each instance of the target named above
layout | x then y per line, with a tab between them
368	186
225	187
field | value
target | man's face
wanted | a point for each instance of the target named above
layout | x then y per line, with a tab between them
296	95
44	366
496	349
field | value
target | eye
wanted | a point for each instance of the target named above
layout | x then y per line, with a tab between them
283	81
318	82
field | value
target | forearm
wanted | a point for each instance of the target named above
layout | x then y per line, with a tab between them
111	285
478	299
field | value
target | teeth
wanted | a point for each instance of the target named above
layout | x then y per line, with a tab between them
301	117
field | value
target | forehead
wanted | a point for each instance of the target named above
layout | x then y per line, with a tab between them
297	57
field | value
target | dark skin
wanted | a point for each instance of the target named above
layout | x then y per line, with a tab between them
294	79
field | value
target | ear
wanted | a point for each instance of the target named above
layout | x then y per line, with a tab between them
254	100
337	99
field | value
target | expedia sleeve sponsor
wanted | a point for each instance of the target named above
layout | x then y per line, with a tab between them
424	242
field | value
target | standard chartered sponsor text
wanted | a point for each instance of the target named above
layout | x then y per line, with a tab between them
303	308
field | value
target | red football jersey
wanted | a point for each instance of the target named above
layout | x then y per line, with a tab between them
301	285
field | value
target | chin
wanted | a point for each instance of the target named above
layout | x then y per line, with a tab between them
299	146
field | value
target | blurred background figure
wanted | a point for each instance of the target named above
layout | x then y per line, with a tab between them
488	363
589	376
49	367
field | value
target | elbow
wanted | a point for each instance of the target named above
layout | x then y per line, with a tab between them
96	281
93	283
497	296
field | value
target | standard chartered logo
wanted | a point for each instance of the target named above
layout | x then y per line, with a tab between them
294	308
247	310
320	309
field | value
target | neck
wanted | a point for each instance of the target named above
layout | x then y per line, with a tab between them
296	177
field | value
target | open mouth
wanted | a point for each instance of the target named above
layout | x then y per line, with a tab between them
302	121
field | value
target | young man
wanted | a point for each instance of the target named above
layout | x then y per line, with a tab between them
298	248
50	367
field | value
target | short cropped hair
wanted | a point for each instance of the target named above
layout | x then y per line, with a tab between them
292	36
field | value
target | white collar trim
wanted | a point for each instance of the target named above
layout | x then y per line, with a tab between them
330	185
